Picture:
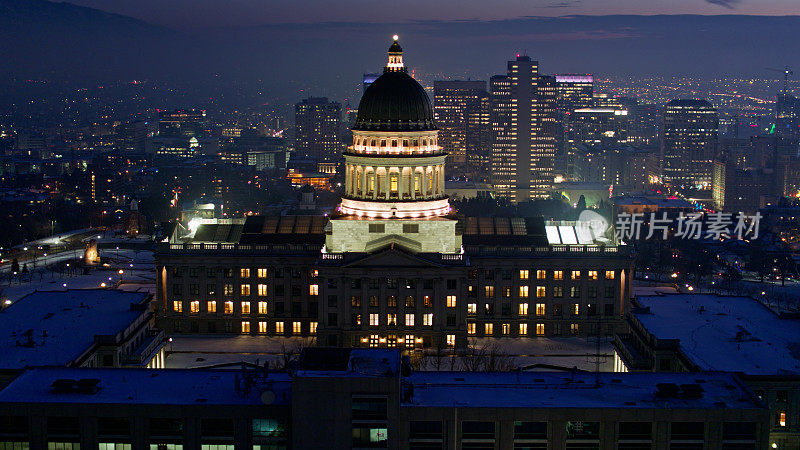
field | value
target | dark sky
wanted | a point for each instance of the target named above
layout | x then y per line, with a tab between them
203	13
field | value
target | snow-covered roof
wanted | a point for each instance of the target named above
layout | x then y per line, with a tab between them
735	334
147	386
56	327
568	390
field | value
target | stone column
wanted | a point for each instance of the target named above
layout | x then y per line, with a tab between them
364	186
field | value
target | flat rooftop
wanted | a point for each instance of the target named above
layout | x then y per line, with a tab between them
56	327
578	390
146	386
733	334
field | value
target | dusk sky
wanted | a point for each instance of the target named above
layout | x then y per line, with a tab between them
199	13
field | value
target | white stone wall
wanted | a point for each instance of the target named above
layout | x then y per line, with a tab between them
435	236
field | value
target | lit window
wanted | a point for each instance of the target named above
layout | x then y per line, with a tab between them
391	319
262	307
451	301
194	306
558	274
506	329
262	273
262	327
523	274
393	182
313	273
541	274
427	319
312	327
228	307
541	291
244	273
488	329
471	328
507	291
227	289
374	320
262	290
781	418
540	329
523	292
472	308
523	329
245	290
297	327
313	289
523	309
540	309
574	328
609	274
177	306
279	327
489	291
576	274
245	307
427	302
212	306
245	327
592	275
451	340
576	309
373	340
409	320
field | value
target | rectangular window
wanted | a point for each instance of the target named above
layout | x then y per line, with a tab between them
592	275
355	301
575	292
576	274
558	291
609	274
541	292
451	340
471	328
228	307
262	290
297	327
427	302
262	273
177	306
262	308
313	289
472	308
576	309
312	327
781	418
211	289
409	302
574	328
523	329
540	329
488	329
393	182
523	274
244	273
409	320
391	319
410	228
558	274
377	228
540	309
506	291
541	274
245	307
279	327
523	292
523	309
245	327
451	301
194	306
391	302
227	289
262	327
489	291
212	306
374	320
506	329
427	319
245	290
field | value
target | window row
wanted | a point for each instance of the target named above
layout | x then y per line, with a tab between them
243	272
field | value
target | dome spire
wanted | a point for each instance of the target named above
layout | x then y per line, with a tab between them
395	57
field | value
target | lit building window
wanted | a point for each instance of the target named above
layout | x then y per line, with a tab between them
245	327
540	309
523	329
576	274
489	291
194	306
228	307
313	273
781	418
391	319
575	292
245	307
279	327
297	327
374	320
506	329
262	327
427	319
507	291
212	306
523	292
262	273
244	273
427	302
245	290
177	306
313	289
609	274
451	340
523	274
410	340
488	329
262	308
574	328
409	320
472	308
541	291
576	309
451	301
262	290
227	289
471	328
540	329
393	182
312	327
373	340
558	274
541	274
523	309
592	275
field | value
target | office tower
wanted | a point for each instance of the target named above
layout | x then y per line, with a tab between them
787	111
574	91
524	126
318	123
461	110
689	142
183	123
599	126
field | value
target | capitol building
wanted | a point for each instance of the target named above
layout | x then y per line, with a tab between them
396	266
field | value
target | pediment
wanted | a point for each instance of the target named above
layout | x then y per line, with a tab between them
392	257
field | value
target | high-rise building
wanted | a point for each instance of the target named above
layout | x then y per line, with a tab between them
461	109
524	127
183	123
318	125
574	91
689	142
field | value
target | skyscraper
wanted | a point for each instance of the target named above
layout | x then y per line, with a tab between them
461	110
574	91
318	122
523	106
689	143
